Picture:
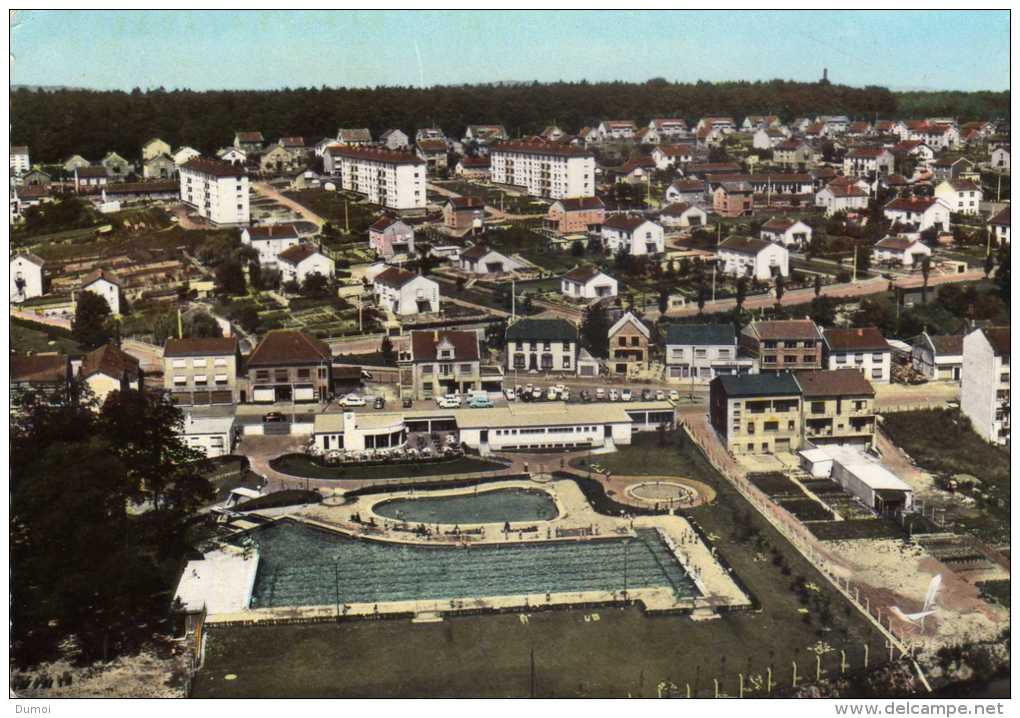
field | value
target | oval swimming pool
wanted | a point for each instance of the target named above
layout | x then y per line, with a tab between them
484	507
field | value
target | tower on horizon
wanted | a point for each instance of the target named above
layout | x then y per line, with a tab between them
825	76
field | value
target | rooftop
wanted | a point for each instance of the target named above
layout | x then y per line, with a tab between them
701	334
758	385
856	338
550	330
214	168
283	346
200	346
837	382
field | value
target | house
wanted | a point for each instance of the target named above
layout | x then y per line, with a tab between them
26	277
20	163
433	153
837	198
484	134
838	407
914	148
249	141
984	386
576	215
683	215
920	212
211	431
949	167
666	156
767	138
301	260
587	283
686	190
999	225
669	128
392	179
647	136
860	348
633	234
269	240
636	170
720	124
899	251
544	169
159	167
106	284
324	145
552	133
200	371
116	166
429	133
184	154
611	130
589	135
939	357
288	366
480	259
354	137
440	362
701	352
756	413
75	162
757	258
892	127
36	178
473	167
793	154
389	236
234	156
217	190
45	376
108	369
783	345
405	293
548	345
733	199
703	170
868	162
858	129
276	159
628	345
88	177
154	148
1000	158
394	140
787	232
460	213
962	196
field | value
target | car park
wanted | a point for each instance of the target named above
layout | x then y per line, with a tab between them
352	400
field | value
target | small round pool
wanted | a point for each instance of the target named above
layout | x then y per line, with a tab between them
483	507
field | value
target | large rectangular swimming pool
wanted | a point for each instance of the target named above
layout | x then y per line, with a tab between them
303	566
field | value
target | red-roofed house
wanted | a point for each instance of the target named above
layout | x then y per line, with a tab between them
924	212
962	196
405	293
587	283
441	362
301	260
899	251
634	234
289	366
576	215
389	236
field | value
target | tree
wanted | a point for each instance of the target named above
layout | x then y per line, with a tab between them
230	278
702	297
925	271
595	331
818	285
741	293
92	326
386	349
780	288
989	265
201	325
663	300
863	258
1002	273
248	318
577	248
823	311
461	281
316	286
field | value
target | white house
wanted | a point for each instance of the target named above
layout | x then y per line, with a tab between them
868	161
544	169
901	251
924	212
984	387
633	233
216	190
26	276
354	137
938	356
297	262
767	138
480	259
542	345
211	431
666	156
999	225
389	237
184	154
389	178
106	284
233	155
690	191
108	369
758	258
841	198
669	128
860	348
701	352
682	215
787	232
394	140
269	240
587	283
962	196
20	163
1000	158
405	293
617	130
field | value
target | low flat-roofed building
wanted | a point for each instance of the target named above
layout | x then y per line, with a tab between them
220	583
866	478
211	430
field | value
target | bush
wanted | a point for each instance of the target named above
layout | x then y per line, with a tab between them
278	499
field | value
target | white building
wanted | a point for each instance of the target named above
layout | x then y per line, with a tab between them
860	348
542	345
20	163
217	190
210	431
924	212
868	162
866	478
617	130
544	169
902	251
480	259
984	387
106	284
669	128
184	154
939	357
394	140
667	156
587	283
354	137
701	352
405	293
269	240
841	198
395	180
787	232
301	260
233	155
962	196
26	277
634	234
681	215
758	258
999	225
1000	158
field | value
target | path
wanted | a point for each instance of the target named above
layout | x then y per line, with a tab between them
31	316
266	190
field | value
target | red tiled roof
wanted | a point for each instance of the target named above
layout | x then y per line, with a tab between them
250	137
96	274
896	244
298	253
578	204
373	154
911	204
200	346
582	275
432	145
49	368
854	338
947	344
836	382
1001	218
540	148
676	150
998	337
282	346
215	168
677	209
625	222
287	230
465	202
785	329
383	222
110	361
394	277
745	245
424	344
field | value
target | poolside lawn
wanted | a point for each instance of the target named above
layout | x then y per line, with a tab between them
303	466
646	457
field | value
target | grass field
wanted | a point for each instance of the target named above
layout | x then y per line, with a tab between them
621	653
30	337
301	465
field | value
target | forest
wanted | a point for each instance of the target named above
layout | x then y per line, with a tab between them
57	124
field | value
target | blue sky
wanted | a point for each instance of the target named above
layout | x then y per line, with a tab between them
264	50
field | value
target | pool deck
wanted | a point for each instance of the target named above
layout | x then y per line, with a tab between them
577	521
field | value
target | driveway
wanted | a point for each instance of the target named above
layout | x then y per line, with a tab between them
266	190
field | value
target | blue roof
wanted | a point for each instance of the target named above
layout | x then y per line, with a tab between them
701	334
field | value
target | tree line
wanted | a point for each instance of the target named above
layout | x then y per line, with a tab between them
57	124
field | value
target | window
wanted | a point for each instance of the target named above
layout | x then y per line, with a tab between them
281	375
700	353
201	380
818	407
876	373
179	363
304	373
771	426
220	361
180	380
262	375
622	341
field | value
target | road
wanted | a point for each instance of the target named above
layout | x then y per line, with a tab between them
266	190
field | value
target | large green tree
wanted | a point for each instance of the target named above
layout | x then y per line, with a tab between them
92	325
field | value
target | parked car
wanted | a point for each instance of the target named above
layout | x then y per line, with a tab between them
660	395
379	403
536	393
600	394
614	395
352	400
674	395
480	401
449	401
272	417
552	393
646	394
565	394
407	403
585	395
451	440
510	394
625	395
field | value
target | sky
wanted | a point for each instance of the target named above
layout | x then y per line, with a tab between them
201	50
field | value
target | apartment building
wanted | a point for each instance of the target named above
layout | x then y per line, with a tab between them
868	162
440	362
199	371
783	345
544	169
700	352
962	196
838	407
984	387
20	163
288	366
542	345
860	348
392	179
217	190
756	413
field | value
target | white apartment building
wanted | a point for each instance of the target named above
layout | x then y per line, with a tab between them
395	180
217	190
701	352
270	240
543	169
26	277
542	345
405	293
860	348
984	386
19	160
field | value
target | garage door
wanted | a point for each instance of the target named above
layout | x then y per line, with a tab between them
263	394
304	393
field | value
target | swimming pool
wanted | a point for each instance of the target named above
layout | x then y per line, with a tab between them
303	566
494	506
